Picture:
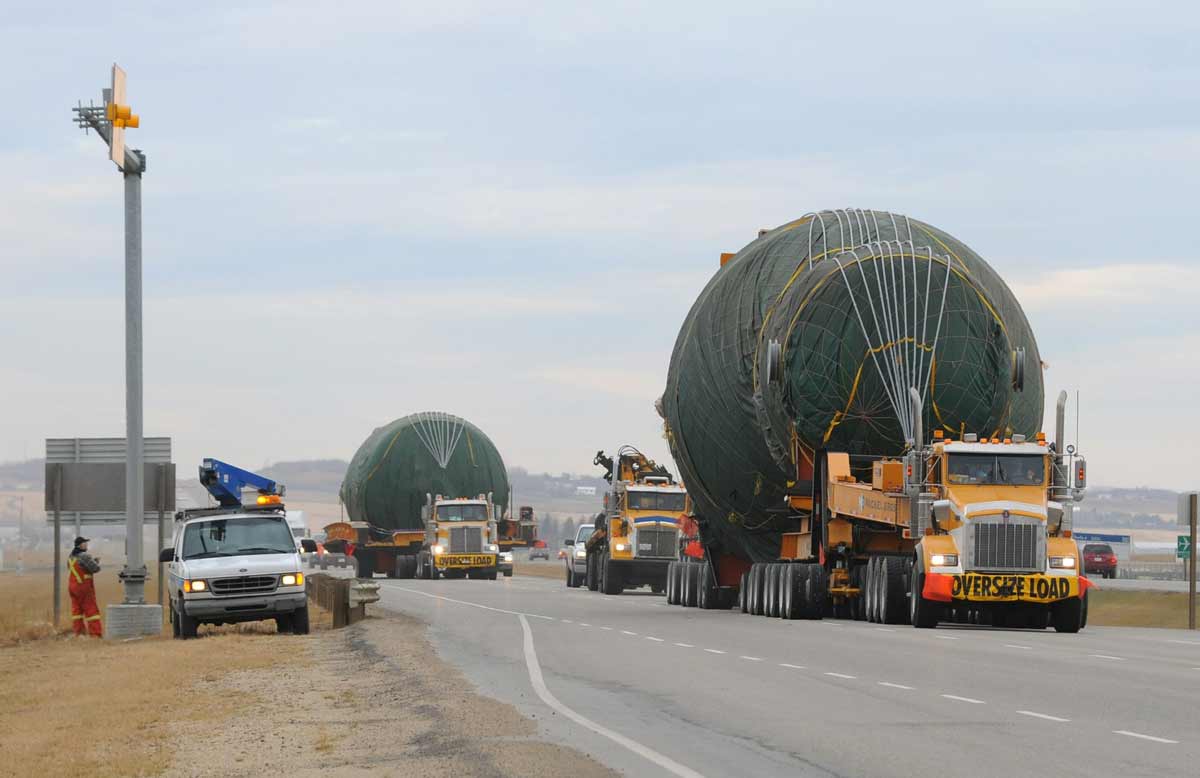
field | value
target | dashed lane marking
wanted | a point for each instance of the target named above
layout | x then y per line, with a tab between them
685	645
1045	716
1106	656
791	667
971	700
842	675
584	624
627	632
539	686
751	658
566	621
945	637
656	640
1186	642
1151	738
891	685
884	629
606	628
472	604
1014	645
714	651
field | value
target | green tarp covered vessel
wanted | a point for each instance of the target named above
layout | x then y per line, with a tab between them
425	453
809	337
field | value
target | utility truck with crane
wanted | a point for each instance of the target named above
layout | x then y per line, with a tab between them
235	562
637	535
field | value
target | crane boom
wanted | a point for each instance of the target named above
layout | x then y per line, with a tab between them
225	482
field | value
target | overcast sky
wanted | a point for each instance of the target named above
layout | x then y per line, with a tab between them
355	211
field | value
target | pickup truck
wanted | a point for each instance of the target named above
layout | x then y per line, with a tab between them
231	565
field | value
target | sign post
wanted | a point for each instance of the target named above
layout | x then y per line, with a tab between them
1189	507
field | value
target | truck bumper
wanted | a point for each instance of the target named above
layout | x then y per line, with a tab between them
250	608
465	561
640	572
1001	587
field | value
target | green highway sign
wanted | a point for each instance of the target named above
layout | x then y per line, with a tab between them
1183	547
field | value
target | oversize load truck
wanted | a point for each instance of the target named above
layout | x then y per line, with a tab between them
637	535
459	540
800	393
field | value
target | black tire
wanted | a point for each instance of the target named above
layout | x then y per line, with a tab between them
187	625
858	610
411	567
1067	615
671	582
508	573
691	585
174	623
434	573
923	613
571	582
283	623
815	593
791	605
299	621
759	587
869	589
895	595
1083	622
704	598
610	577
364	563
744	592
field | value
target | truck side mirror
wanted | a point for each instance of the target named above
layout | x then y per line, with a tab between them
166	555
309	545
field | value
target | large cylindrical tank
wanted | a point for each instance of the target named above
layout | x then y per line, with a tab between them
425	453
808	339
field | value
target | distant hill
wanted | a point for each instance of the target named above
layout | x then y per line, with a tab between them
29	475
314	475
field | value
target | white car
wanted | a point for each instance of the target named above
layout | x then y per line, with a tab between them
232	565
577	556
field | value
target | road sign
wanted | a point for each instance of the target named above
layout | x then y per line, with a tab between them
116	146
155	451
1183	547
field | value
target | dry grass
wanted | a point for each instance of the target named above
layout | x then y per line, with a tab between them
1109	608
27	607
556	571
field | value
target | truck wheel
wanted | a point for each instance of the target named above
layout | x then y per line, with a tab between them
299	619
743	595
895	596
593	574
1067	615
611	582
708	594
815	592
923	613
671	568
187	625
792	601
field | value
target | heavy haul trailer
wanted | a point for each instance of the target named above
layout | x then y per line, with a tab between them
518	532
637	534
790	383
459	540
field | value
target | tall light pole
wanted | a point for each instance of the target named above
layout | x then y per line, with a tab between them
110	121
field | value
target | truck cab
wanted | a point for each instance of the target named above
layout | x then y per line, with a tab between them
233	565
637	536
460	538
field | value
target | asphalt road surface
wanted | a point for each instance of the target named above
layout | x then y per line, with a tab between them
652	689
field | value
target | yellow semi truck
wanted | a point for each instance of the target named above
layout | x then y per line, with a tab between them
968	530
637	535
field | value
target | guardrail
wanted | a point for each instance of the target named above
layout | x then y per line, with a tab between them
345	598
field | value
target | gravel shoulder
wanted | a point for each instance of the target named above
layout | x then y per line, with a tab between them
371	698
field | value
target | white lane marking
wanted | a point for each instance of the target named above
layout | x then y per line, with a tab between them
964	699
1152	738
841	675
685	645
884	629
714	651
1106	656
584	624
656	640
830	623
945	637
791	667
1186	642
896	686
751	658
627	632
539	686
1014	645
1045	716
606	628
566	621
472	604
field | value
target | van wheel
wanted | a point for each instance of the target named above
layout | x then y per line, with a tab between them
283	623
300	621
174	623
187	625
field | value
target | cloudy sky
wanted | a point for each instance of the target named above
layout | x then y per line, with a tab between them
354	211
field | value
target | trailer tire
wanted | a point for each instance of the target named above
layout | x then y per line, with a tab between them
671	582
895	596
703	601
364	564
743	598
792	603
691	585
759	588
815	592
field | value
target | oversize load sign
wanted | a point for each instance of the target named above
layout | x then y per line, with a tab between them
466	560
984	587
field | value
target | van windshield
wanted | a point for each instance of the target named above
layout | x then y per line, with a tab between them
236	537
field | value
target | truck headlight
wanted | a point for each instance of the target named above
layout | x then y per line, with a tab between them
437	549
620	547
944	560
492	548
506	556
194	586
1063	562
292	579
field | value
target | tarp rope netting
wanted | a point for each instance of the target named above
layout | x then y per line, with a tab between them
862	304
424	453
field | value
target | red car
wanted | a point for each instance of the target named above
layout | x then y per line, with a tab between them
1099	558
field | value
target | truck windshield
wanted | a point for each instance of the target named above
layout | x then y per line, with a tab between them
235	537
998	469
462	513
657	501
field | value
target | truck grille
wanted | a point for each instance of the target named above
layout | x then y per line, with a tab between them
1007	545
656	543
244	584
466	540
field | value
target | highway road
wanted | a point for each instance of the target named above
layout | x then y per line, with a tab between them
650	689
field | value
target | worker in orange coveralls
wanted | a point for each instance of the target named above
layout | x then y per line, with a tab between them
81	566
